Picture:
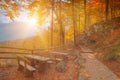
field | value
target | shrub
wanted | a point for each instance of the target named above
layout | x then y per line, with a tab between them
110	56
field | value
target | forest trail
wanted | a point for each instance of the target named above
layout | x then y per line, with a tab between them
97	70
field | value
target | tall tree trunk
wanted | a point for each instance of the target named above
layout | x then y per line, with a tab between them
52	24
102	10
112	9
89	15
79	24
85	14
74	22
61	27
107	10
79	17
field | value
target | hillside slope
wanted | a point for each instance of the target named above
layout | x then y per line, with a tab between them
103	36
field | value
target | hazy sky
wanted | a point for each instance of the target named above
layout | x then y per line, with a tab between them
4	19
10	30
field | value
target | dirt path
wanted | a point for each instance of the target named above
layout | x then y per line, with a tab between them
96	70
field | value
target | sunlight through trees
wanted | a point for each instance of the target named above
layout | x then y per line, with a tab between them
65	19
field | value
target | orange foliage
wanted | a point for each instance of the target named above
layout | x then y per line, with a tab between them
114	34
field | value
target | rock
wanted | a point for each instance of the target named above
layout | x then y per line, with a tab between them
61	66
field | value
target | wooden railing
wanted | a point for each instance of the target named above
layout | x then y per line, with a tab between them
21	51
13	50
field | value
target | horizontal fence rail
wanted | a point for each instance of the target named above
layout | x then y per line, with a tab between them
32	51
14	53
8	57
16	48
29	49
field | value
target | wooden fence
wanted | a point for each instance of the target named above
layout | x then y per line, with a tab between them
20	51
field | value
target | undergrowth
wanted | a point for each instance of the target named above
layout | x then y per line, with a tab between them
104	36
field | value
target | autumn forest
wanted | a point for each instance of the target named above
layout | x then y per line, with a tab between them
59	39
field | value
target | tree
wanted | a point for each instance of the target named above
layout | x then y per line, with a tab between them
112	8
10	8
52	23
74	22
85	13
107	9
64	14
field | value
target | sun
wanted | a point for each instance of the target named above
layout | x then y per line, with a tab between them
32	21
24	17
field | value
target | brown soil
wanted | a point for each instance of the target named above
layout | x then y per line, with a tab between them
11	73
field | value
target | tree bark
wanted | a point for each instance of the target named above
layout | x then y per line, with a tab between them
61	27
112	9
85	13
107	10
74	22
52	24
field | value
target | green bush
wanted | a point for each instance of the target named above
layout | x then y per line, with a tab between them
110	56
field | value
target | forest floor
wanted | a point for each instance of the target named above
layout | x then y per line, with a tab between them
92	69
11	73
51	74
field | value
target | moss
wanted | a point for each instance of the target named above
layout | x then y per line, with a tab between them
110	56
112	53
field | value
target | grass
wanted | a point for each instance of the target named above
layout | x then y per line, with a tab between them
112	53
110	56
